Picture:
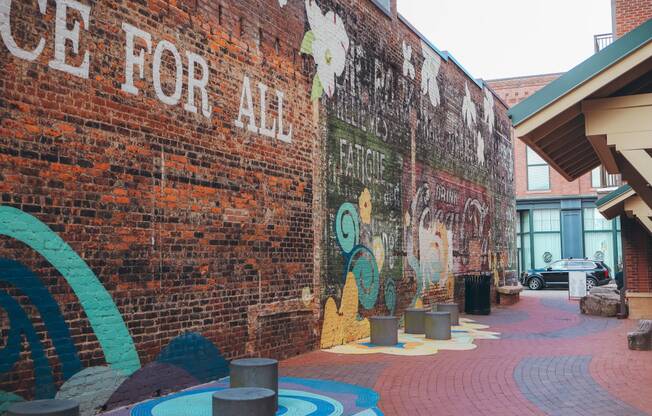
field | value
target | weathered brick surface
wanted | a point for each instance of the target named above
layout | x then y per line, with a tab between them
191	222
629	14
637	265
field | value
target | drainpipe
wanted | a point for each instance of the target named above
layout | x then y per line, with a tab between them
624	313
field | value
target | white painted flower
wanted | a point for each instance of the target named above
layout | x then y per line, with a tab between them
480	150
328	43
282	2
489	117
429	72
408	66
469	112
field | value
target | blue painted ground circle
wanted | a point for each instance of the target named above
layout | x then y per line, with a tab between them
199	403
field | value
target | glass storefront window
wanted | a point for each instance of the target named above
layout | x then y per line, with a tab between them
600	246
547	248
546	236
594	221
525	221
546	220
601	238
523	238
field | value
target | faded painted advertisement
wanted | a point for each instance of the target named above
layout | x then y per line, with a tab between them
364	231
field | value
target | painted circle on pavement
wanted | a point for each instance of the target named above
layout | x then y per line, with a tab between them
199	403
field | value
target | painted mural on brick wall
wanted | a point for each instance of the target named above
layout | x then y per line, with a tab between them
457	220
364	229
188	360
397	227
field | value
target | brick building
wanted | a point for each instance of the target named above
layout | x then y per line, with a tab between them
629	14
600	113
193	181
557	218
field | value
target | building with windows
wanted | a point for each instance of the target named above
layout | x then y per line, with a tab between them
600	114
558	218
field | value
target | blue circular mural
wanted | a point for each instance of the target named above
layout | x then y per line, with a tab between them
297	397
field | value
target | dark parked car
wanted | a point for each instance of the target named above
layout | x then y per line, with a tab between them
556	275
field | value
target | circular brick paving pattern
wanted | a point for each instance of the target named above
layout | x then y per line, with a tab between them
550	360
563	386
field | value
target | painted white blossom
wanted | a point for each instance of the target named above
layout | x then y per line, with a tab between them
480	150
429	72
489	116
408	66
328	43
469	112
282	2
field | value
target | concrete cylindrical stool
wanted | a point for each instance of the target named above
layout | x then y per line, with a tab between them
438	325
249	401
44	408
384	330
255	372
414	320
453	308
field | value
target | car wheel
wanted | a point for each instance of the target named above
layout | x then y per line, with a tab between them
535	283
590	283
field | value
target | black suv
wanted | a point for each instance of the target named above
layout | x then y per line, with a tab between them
556	275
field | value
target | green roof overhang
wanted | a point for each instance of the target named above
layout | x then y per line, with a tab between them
582	73
612	196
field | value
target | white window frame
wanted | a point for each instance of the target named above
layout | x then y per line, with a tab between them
529	165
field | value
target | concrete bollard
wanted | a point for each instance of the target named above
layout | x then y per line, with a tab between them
255	372
44	408
453	308
414	320
384	330
241	401
438	325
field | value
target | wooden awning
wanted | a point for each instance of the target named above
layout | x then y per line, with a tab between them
553	121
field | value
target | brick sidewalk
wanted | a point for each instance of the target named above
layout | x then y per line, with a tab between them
559	363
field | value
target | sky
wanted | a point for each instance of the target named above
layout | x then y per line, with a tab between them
505	38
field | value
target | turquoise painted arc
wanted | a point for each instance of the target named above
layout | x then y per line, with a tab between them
347	227
108	325
21	326
20	277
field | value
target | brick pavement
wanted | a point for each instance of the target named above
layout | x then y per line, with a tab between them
560	363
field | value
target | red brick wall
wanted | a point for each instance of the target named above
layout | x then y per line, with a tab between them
156	231
630	14
637	253
512	91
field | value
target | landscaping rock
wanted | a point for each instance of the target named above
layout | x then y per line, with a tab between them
608	289
509	295
641	339
602	303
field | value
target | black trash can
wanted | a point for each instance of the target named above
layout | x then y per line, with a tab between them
477	294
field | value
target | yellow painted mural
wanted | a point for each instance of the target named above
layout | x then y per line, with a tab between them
343	326
463	337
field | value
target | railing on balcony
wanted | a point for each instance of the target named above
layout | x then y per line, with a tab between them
600	179
602	41
611	181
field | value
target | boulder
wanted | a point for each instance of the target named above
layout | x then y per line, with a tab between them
641	339
608	289
509	295
600	304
